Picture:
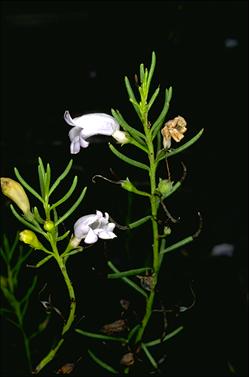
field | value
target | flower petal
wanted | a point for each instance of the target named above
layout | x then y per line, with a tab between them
75	145
83	143
68	118
80	231
104	235
74	132
91	237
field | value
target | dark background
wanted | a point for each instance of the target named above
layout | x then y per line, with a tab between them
58	56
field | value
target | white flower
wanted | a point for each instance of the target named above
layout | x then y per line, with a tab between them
91	227
89	125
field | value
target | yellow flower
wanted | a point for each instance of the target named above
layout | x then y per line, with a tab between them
174	128
14	191
29	237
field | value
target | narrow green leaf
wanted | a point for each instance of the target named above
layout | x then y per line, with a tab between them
42	262
166	154
25	222
167	337
4	312
61	177
27	186
133	332
37	215
131	95
20	261
25	299
29	291
127	159
133	272
102	364
42	177
60	238
137	135
41	181
159	121
151	70
101	336
72	209
141	71
177	245
4	256
67	195
149	356
128	281
139	222
47	179
153	98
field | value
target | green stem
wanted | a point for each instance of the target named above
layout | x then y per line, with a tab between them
17	309
71	315
154	207
24	336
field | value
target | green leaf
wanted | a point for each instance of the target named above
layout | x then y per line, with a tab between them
131	95
60	238
101	336
37	216
27	186
151	70
133	332
67	195
42	176
164	153
127	159
149	356
72	209
176	245
43	261
47	179
158	123
128	281
137	135
139	222
141	71
61	177
102	363
167	337
133	272
25	222
25	299
153	98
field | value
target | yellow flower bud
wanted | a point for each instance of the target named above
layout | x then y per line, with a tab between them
48	225
14	191
29	237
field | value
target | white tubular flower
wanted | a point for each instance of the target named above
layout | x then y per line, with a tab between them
91	227
89	125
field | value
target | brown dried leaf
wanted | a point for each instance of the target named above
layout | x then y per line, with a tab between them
66	369
114	327
127	359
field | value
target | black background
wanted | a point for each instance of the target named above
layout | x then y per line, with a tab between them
58	56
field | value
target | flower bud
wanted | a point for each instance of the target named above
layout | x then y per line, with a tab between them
121	137
14	191
48	225
127	185
164	187
29	237
166	231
